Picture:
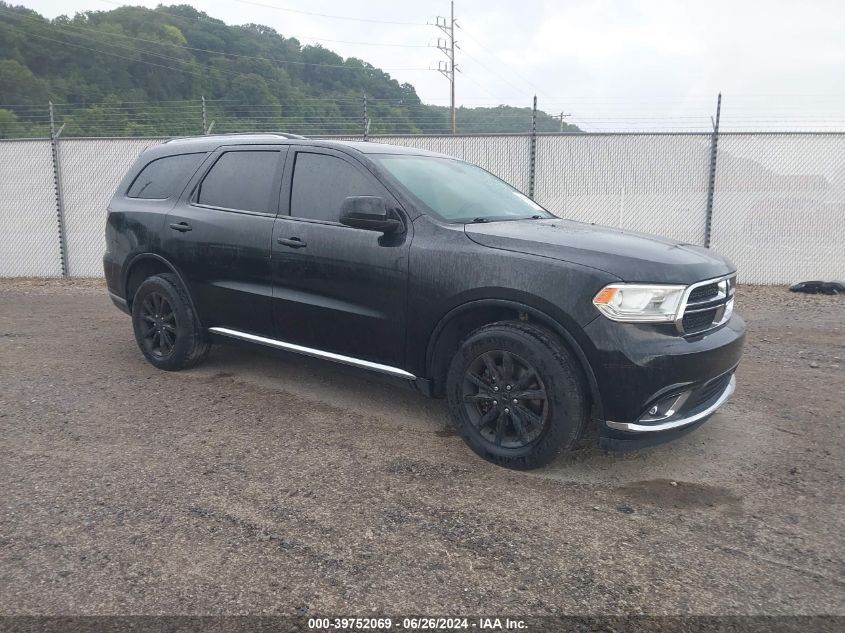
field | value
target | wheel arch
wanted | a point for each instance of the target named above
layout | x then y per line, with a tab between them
145	265
469	316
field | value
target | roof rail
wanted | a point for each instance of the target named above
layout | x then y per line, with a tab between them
210	136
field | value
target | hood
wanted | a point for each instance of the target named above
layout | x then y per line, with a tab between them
630	256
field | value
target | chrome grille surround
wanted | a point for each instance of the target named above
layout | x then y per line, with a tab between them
720	304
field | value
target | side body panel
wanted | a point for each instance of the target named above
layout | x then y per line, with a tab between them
134	225
225	256
345	290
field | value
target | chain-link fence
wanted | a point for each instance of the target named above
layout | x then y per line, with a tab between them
778	207
91	170
653	184
29	228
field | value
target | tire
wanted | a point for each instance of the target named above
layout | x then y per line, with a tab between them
166	328
524	363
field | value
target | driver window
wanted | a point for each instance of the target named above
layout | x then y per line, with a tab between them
321	183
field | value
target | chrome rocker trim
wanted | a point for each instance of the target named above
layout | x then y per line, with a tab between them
674	424
310	351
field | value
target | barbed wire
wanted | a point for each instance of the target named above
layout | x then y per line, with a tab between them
343	115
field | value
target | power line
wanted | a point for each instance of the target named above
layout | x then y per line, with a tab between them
300	37
311	13
327	15
323	39
191	48
131	59
492	72
449	70
473	81
534	88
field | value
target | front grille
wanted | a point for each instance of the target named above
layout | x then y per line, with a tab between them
707	306
703	293
697	321
708	393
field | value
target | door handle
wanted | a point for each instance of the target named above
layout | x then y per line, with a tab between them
293	242
180	226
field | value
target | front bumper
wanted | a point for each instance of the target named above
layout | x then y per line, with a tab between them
682	418
640	368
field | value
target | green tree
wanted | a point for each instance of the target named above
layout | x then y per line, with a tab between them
19	86
133	70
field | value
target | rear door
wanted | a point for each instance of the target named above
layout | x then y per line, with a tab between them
219	236
337	289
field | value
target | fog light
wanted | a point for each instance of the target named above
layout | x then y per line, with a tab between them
665	408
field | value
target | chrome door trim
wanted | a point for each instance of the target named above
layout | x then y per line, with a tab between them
310	351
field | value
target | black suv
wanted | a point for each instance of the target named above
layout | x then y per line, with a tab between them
430	270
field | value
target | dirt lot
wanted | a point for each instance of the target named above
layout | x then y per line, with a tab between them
268	483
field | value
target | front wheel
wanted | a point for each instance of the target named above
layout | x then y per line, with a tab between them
166	328
517	397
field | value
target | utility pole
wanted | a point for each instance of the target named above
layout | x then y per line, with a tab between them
448	68
562	115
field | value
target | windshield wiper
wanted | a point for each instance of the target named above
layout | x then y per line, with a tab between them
504	218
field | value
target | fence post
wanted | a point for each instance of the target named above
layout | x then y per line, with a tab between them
711	183
532	150
366	121
57	184
204	117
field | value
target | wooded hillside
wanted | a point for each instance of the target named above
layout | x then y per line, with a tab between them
136	71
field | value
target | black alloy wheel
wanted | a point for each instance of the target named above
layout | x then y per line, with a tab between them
517	395
166	328
160	321
505	399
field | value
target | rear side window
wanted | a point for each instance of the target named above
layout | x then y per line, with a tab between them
242	181
162	177
321	183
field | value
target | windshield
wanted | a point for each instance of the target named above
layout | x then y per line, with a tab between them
457	191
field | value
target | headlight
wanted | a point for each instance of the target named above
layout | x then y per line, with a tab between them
639	303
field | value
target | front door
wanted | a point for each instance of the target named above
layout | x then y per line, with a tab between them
219	237
337	289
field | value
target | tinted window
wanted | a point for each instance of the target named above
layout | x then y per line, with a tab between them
164	177
321	183
240	180
458	191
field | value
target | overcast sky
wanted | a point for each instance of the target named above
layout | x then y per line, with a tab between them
609	64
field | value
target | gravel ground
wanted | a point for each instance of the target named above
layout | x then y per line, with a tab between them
267	483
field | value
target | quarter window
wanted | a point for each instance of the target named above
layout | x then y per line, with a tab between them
161	177
320	185
242	181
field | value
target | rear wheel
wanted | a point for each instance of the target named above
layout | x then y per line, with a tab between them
516	395
166	328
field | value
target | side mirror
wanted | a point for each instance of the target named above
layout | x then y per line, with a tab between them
369	213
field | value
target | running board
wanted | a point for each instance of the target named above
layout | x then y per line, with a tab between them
310	351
